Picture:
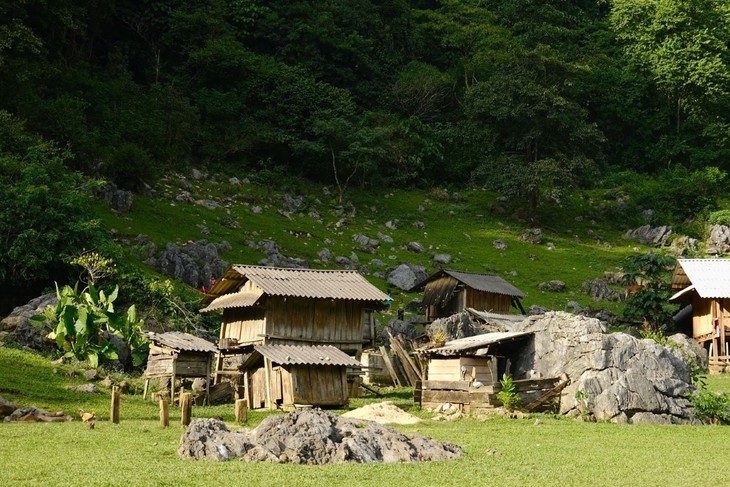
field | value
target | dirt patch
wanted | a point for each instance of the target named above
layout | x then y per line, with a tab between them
384	413
311	437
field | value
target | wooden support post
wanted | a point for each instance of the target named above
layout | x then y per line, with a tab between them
241	409
172	379
186	408
146	388
164	413
389	366
246	390
218	367
116	392
267	378
207	380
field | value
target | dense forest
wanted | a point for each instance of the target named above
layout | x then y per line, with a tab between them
524	97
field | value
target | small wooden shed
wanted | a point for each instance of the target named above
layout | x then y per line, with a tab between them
289	376
275	306
466	372
704	286
177	355
448	292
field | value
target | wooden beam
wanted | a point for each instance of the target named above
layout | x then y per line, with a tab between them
389	366
564	381
267	378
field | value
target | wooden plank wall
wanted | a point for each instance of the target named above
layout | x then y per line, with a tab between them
485	301
320	385
460	368
244	324
301	321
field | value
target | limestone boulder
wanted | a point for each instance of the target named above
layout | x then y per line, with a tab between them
613	376
23	331
405	276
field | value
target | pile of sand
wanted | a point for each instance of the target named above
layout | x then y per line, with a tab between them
384	413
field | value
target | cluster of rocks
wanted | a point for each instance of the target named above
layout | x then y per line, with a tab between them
21	330
311	437
119	200
613	377
717	242
195	263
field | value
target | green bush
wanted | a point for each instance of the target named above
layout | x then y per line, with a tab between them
130	167
721	217
508	395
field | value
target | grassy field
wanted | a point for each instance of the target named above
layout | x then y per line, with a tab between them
137	451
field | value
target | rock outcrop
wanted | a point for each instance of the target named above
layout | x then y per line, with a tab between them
23	332
613	377
311	437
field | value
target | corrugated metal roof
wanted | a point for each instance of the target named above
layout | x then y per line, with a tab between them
710	277
481	282
240	299
462	345
182	341
305	283
309	355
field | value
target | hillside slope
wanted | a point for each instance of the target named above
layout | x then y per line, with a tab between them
479	231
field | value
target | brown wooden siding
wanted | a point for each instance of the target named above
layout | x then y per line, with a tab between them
301	321
319	386
244	324
485	301
701	316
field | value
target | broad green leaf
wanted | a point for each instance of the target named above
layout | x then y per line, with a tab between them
93	359
38	321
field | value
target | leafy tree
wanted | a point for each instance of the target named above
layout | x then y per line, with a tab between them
45	217
651	274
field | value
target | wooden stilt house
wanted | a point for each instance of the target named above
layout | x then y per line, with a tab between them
298	307
448	292
704	286
286	376
176	355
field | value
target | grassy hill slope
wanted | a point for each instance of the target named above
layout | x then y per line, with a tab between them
578	241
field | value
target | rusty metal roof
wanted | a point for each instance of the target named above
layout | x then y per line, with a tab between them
183	342
474	343
305	283
709	277
307	355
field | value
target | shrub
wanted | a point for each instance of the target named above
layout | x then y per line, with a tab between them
130	167
508	395
721	217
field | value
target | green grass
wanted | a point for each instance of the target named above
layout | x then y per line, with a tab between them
585	247
137	451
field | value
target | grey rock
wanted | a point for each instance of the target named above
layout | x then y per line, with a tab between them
719	239
185	185
91	374
691	350
550	246
195	263
442	259
377	263
366	243
405	276
419	224
313	213
622	378
354	258
6	407
462	325
554	286
325	255
344	263
415	247
107	383
391	225
599	290
23	331
536	310
209	204
292	203
499	244
311	437
649	235
385	238
681	245
532	235
234	181
119	200
256	210
275	258
195	174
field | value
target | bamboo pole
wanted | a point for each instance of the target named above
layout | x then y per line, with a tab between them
164	413
186	407
116	392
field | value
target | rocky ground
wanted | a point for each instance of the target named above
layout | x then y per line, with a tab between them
311	437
